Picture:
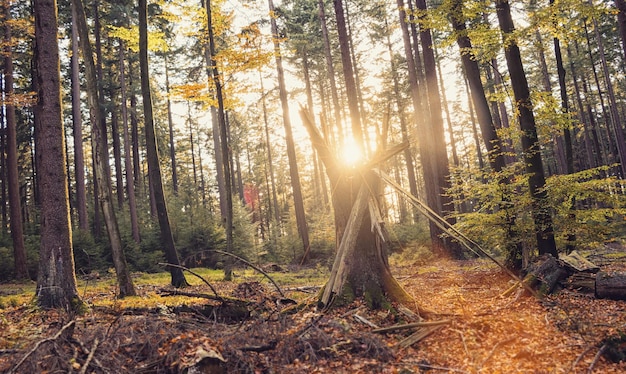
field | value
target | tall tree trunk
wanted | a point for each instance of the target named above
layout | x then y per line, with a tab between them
291	150
117	153
446	109
268	145
621	21
530	142
348	74
128	164
441	171
134	131
56	281
593	152
618	131
3	168
567	136
79	157
611	148
558	148
426	140
331	70
154	169
15	208
170	124
408	154
227	216
125	283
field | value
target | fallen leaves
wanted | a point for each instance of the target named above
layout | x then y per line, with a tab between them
483	332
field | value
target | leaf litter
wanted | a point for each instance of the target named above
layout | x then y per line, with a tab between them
481	331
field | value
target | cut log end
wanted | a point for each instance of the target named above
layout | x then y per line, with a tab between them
611	285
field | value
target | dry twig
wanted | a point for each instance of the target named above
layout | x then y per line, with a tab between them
364	321
96	342
68	325
580	356
596	358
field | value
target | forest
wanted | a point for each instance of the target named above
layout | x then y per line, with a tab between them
313	186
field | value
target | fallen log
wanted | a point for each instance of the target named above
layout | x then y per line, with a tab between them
582	282
611	285
544	274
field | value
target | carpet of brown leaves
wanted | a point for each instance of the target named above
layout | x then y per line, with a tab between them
487	333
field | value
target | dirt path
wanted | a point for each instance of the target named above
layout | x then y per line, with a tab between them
513	334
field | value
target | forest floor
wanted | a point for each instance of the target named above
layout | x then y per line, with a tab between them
482	331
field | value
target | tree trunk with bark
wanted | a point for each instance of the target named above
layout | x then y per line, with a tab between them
294	174
15	206
360	268
128	164
79	157
56	281
101	156
154	169
227	215
530	142
170	125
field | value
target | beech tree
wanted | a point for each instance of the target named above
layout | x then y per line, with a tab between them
530	142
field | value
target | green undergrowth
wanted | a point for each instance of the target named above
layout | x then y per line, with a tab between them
102	291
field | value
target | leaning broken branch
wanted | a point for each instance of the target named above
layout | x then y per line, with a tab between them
197	275
252	266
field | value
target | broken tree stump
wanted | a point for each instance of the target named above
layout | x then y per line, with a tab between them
544	274
611	285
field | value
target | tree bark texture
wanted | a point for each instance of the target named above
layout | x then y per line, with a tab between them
15	206
294	174
101	157
361	267
530	142
56	281
128	163
79	156
227	215
611	285
420	117
154	169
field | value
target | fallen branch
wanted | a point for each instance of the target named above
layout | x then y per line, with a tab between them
449	229
68	325
580	357
83	370
412	325
305	289
596	358
364	321
251	265
164	292
87	351
417	336
196	274
259	348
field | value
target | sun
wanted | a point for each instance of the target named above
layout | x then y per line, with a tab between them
351	154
